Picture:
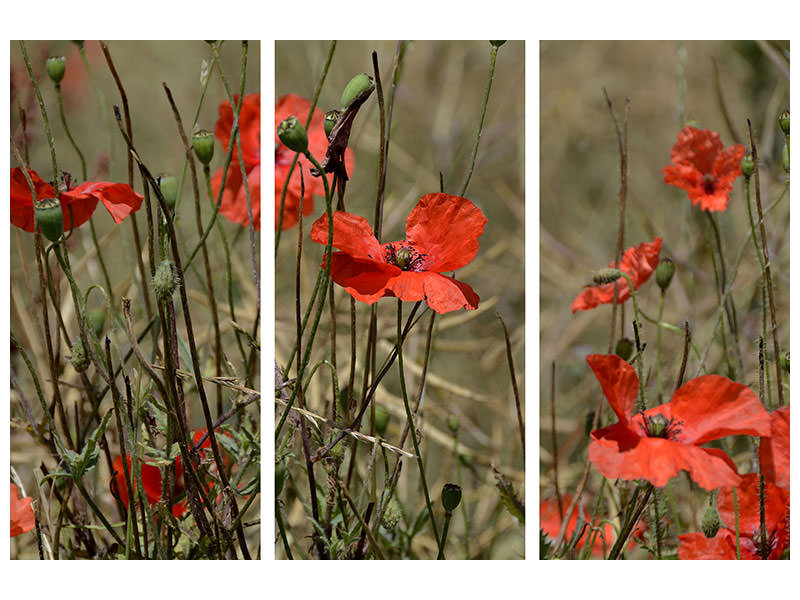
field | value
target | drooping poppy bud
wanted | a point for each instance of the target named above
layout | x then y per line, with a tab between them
451	496
165	280
293	135
783	121
747	165
381	419
711	523
623	349
96	319
607	275
331	118
664	272
168	184
80	358
50	218
452	423
358	84
56	65
203	144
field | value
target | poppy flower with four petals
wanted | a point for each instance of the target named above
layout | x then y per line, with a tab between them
289	105
661	442
80	202
234	197
638	263
441	235
704	168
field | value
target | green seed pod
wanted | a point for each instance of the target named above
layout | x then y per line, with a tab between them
624	349
203	144
168	184
80	358
358	84
607	275
711	523
381	419
497	43
50	218
331	118
664	272
452	423
56	65
785	157
403	257
96	319
165	280
293	135
451	496
657	425
783	121
280	476
747	165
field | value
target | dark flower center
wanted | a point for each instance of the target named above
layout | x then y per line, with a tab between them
708	183
659	426
405	257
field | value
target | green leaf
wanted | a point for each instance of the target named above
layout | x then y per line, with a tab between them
509	496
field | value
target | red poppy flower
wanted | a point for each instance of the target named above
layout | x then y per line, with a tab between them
22	518
550	522
638	263
774	450
696	546
704	168
151	480
289	105
657	444
441	235
80	202
234	198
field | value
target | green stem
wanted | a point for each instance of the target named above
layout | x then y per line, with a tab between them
447	516
658	345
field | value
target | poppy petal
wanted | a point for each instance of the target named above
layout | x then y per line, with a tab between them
774	450
118	198
22	517
21	201
696	546
352	235
619	382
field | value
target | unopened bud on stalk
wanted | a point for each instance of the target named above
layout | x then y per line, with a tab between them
293	135
452	423
381	419
392	516
497	43
451	496
711	523
664	272
56	65
783	121
80	358
747	165
607	275
331	118
50	218
624	349
203	144
168	184
165	280
96	319
358	84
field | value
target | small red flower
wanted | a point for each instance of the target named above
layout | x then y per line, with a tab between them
441	235
637	262
289	105
80	202
234	197
151	480
696	546
704	168
22	517
657	444
774	450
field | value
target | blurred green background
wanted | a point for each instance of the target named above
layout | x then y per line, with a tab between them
435	119
670	84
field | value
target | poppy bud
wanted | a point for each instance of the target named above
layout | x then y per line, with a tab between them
466	460
168	184
392	516
80	359
452	423
785	361
607	275
280	476
203	144
497	43
747	165
623	349
381	419
711	523
293	135
786	157
331	118
50	218
783	121
451	496
358	84
56	65
664	272
165	280
96	319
